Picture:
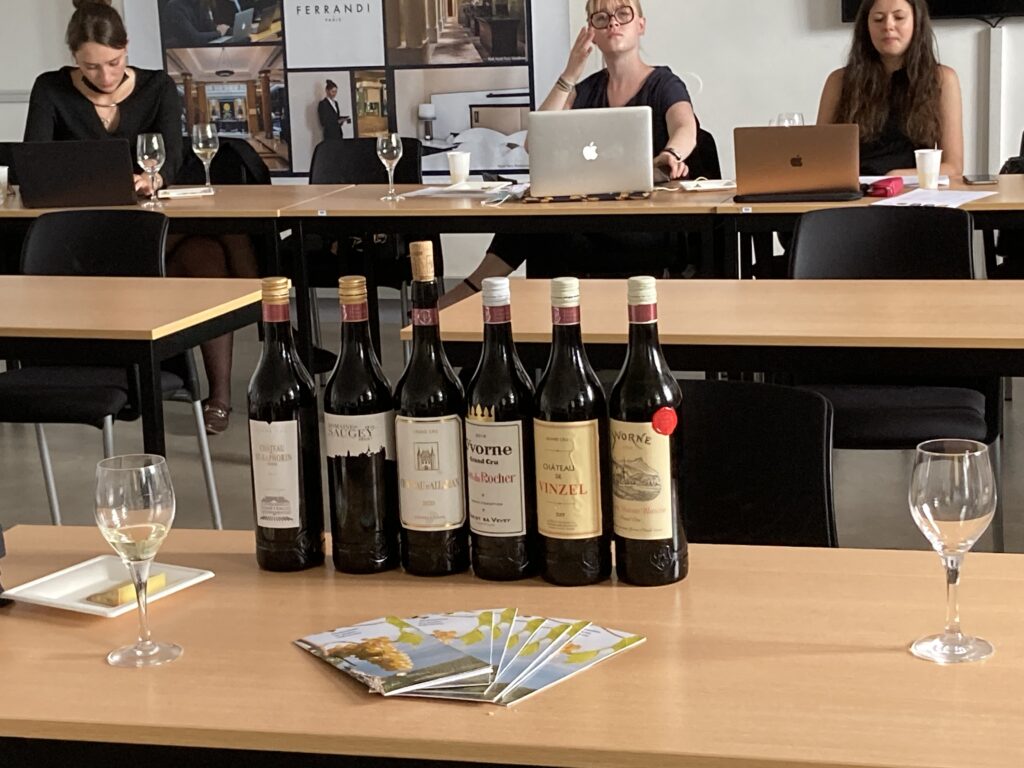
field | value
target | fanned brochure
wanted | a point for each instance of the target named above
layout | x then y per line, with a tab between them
494	655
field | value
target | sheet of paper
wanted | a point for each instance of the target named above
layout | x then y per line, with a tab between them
933	198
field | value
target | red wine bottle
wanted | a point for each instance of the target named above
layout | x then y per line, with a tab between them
574	503
359	424
431	461
650	545
284	440
499	449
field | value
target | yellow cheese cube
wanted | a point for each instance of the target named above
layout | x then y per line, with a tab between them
125	593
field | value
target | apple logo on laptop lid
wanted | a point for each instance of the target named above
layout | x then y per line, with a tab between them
797	162
590	152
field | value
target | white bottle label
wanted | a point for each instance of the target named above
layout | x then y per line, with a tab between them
494	466
642	492
275	472
432	494
360	435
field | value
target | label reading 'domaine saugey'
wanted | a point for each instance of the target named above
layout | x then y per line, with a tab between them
641	481
275	472
360	435
494	458
568	479
431	494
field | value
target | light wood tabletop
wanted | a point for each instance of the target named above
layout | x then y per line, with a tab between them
239	201
364	200
762	657
1009	197
115	308
938	314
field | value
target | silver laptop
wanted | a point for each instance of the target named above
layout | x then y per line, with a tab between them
591	151
241	30
807	163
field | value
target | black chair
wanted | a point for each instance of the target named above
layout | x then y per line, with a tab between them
898	243
1010	242
107	244
757	465
703	161
236	162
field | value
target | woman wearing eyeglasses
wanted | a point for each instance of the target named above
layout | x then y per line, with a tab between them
615	28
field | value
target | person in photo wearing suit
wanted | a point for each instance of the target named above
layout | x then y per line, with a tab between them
895	89
190	23
329	112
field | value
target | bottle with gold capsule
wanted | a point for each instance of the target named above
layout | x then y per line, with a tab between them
429	431
284	439
499	449
359	424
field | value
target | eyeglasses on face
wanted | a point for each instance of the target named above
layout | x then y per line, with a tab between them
602	19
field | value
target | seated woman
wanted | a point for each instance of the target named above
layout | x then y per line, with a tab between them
103	98
894	88
615	28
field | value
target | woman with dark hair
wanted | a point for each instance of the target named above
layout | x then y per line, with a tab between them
103	98
894	88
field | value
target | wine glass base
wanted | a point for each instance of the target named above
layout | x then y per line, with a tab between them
151	205
144	655
951	649
391	197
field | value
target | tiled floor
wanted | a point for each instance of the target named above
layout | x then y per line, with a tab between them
870	486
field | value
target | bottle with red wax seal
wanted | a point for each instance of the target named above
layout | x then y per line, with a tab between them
646	453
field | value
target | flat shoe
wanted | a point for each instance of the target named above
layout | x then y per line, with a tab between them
215	416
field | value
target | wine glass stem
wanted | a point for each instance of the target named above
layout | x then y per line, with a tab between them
391	180
953	564
206	167
152	185
139	571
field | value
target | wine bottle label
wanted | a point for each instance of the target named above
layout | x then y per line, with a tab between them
565	315
355	313
275	313
494	460
425	316
498	315
275	472
432	494
568	479
641	481
360	435
643	314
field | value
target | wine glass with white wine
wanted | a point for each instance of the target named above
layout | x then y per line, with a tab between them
134	511
205	144
389	150
952	499
150	155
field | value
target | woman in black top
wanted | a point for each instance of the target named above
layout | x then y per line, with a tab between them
103	98
894	88
615	28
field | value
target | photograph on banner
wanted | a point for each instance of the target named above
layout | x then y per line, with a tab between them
482	111
425	33
194	23
335	34
320	107
242	90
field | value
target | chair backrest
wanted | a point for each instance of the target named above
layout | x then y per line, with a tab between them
355	161
757	465
883	243
703	161
236	162
96	242
7	158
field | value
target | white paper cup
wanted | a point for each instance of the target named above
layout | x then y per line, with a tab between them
3	183
458	167
929	162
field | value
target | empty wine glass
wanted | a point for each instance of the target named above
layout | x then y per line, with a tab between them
151	156
205	144
952	499
389	150
788	119
134	512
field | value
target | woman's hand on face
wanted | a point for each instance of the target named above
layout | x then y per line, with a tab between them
579	54
671	165
142	184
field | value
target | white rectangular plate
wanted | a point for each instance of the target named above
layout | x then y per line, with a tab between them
69	588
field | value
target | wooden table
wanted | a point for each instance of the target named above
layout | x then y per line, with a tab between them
761	658
121	322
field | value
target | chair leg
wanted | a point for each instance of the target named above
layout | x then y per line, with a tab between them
51	486
204	455
1008	389
403	298
998	532
108	437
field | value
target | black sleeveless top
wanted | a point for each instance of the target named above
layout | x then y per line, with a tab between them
893	148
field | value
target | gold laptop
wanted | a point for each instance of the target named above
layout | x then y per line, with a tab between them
798	164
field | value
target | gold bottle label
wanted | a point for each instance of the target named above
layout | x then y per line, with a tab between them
568	479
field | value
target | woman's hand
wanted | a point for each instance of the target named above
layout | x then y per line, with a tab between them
673	167
579	55
142	184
